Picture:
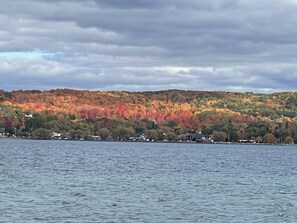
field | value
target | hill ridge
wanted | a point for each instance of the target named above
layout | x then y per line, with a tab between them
188	109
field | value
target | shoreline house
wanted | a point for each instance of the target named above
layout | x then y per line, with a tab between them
55	135
199	137
247	141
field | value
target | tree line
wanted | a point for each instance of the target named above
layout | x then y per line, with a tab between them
42	125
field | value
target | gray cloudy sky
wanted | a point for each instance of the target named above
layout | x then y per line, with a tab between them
138	45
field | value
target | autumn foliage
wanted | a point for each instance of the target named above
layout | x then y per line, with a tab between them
190	110
185	107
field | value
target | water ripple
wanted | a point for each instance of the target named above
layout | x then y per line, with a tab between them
63	181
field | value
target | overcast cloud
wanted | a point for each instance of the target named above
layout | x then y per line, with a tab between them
139	45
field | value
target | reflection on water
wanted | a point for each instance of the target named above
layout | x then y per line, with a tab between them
67	181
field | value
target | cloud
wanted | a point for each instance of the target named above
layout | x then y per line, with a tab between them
233	45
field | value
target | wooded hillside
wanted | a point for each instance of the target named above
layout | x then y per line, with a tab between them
239	115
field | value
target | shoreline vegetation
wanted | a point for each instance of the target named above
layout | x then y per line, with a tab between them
161	116
139	141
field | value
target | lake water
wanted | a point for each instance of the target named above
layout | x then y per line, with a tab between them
79	181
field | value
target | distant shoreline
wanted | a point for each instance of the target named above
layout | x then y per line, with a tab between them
163	142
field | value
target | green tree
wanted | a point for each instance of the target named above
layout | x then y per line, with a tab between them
123	133
161	134
78	134
263	130
171	136
172	124
36	122
289	140
104	133
151	134
269	138
219	136
259	139
41	133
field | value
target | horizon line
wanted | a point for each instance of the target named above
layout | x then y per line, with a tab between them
163	90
